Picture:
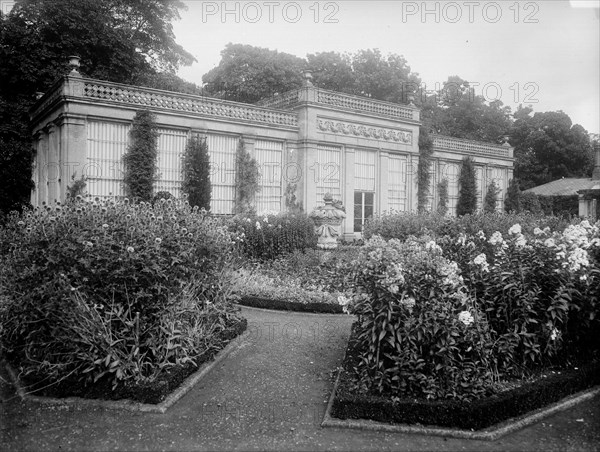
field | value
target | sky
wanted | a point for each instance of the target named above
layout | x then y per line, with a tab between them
539	53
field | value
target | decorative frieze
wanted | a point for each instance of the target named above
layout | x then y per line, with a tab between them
358	130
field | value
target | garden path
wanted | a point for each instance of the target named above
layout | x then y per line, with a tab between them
269	394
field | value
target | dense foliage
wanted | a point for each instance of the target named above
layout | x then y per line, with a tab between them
140	159
457	313
246	180
490	201
424	169
402	225
467	188
196	173
124	41
442	207
269	236
102	290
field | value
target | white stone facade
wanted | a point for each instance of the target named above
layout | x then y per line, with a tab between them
364	152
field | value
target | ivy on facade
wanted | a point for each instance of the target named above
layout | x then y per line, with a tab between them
246	179
467	188
196	173
140	159
491	198
424	168
442	206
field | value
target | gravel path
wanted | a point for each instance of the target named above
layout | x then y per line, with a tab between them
269	394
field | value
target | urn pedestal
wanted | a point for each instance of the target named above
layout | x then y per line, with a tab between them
328	221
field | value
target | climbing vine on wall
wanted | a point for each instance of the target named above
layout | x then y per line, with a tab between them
467	188
442	207
424	168
196	173
140	159
246	179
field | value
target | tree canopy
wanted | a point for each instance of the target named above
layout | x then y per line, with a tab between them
549	146
127	41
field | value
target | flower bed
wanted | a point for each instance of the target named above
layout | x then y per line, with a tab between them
458	318
110	294
309	281
538	391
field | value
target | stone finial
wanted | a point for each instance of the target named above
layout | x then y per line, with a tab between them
307	74
74	63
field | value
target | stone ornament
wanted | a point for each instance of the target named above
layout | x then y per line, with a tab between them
377	133
328	220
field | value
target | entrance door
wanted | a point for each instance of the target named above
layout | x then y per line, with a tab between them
363	208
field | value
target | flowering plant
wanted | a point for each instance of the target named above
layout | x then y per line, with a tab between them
81	273
420	332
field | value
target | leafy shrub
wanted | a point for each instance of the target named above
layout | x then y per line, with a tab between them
140	159
467	188
420	333
527	300
266	237
196	173
401	225
111	290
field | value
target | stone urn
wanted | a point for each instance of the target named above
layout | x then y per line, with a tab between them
328	220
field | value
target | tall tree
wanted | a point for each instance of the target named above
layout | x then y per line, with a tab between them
196	173
248	74
548	146
467	188
118	40
457	111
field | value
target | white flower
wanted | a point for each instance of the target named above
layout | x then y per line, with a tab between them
466	317
496	238
481	261
515	229
105	226
394	289
550	243
89	244
583	277
342	300
431	245
258	225
520	240
555	334
130	249
538	231
481	235
408	302
21	223
266	219
158	240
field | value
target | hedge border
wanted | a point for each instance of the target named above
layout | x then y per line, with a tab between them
283	305
173	391
487	418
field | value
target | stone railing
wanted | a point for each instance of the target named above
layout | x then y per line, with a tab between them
363	104
442	143
147	97
285	101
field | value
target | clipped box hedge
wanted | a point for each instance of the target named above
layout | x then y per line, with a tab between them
473	415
